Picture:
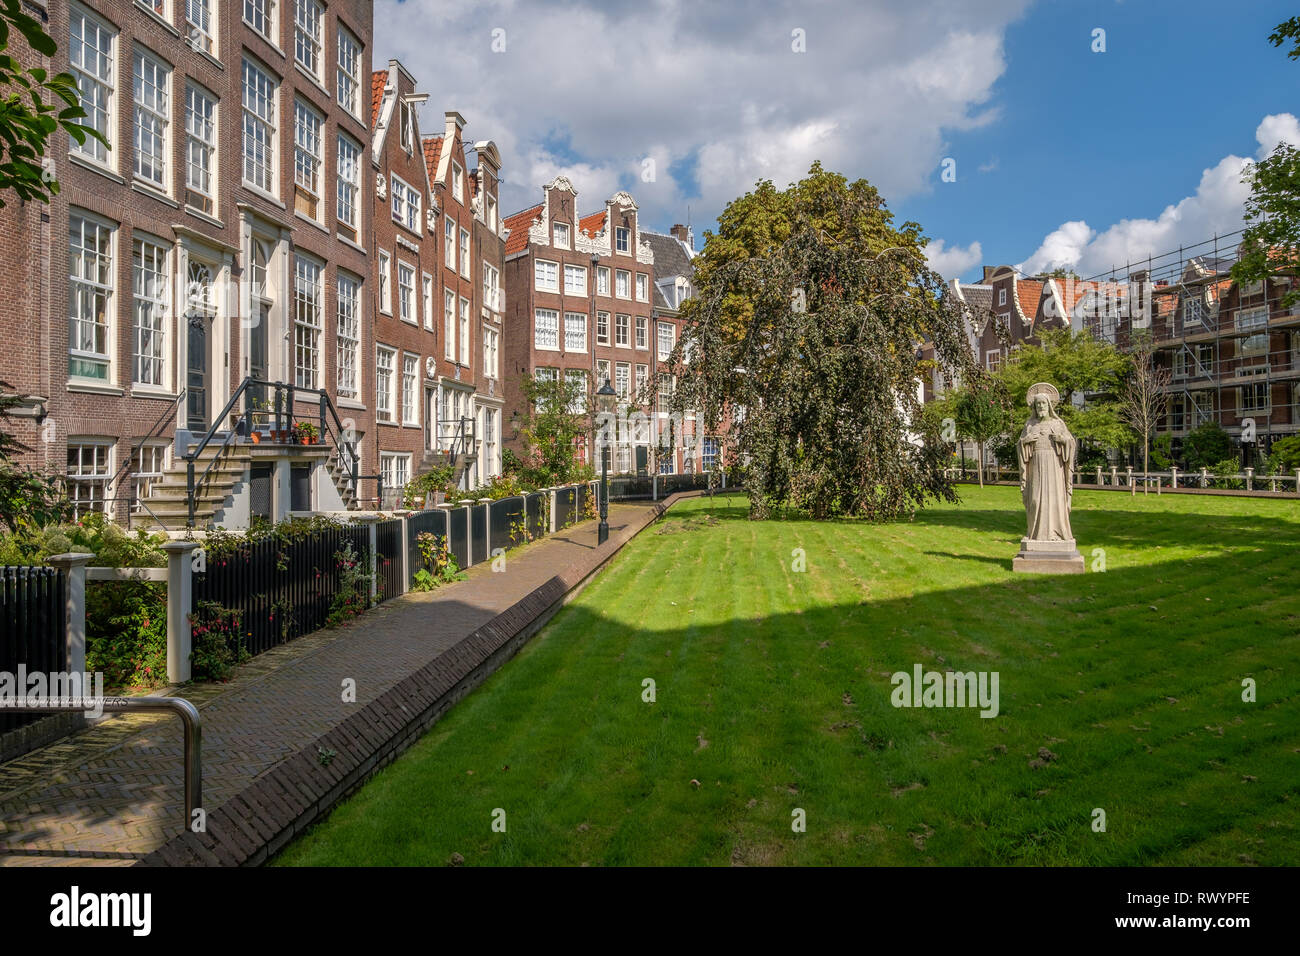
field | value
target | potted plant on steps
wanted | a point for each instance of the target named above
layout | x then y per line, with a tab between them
306	433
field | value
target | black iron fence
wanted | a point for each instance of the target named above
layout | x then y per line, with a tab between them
388	559
33	631
281	590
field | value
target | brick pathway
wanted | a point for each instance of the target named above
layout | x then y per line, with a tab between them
112	793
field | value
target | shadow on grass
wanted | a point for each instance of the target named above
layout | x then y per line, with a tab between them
1116	692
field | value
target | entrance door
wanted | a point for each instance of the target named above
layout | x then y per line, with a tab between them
200	312
430	419
196	375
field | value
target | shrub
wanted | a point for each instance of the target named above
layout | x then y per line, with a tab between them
217	636
1229	466
126	633
438	563
432	481
1205	446
1284	458
353	595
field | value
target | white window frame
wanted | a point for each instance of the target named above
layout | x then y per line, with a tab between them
602	339
259	120
385	384
201	26
623	240
96	75
348	70
492	288
560	235
426	299
348	336
464	331
575	279
672	340
546	330
348	185
622	284
385	283
151	319
309	37
264	10
642	287
579	404
309	153
546	275
466	260
641	332
449	324
202	161
623	380
410	386
151	102
308	320
406	309
575	331
449	243
88	290
457	182
406	204
602	280
625	328
491	352
97	477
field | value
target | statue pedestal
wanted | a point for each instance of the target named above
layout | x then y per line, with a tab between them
1048	557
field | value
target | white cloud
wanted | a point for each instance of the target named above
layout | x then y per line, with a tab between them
710	89
1216	208
1277	128
952	262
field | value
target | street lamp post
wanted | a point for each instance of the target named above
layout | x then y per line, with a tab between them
606	402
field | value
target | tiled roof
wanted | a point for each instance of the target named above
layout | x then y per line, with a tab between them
518	225
980	300
378	80
1028	292
592	223
432	150
671	259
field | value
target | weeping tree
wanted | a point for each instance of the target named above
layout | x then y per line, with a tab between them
800	348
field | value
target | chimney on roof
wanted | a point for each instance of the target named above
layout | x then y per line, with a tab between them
988	274
683	234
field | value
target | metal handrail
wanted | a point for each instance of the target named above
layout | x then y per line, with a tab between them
187	712
281	408
170	409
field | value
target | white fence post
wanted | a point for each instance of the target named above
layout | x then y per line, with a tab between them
550	522
1114	476
1205	478
180	602
74	564
1174	472
469	533
1250	479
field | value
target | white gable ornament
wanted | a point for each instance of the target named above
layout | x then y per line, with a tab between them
381	186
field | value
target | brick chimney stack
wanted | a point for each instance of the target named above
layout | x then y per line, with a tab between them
684	234
988	273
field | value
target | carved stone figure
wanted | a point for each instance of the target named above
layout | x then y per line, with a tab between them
1046	451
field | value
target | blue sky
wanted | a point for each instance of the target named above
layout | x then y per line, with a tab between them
1108	136
1064	156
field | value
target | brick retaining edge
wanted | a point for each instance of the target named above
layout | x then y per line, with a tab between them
260	820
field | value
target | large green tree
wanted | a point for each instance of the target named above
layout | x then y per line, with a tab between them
557	422
1271	242
982	412
803	332
1073	361
33	106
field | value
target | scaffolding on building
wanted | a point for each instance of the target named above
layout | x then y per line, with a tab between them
1233	351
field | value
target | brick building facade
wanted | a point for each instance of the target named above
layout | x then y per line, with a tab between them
218	235
578	294
436	291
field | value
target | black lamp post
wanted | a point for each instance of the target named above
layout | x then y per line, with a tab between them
606	403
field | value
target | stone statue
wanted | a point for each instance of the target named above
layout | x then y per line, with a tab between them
1046	452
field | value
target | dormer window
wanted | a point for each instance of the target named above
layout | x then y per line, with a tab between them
561	235
408	128
1002	296
623	239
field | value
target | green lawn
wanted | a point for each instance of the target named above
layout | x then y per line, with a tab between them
773	693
